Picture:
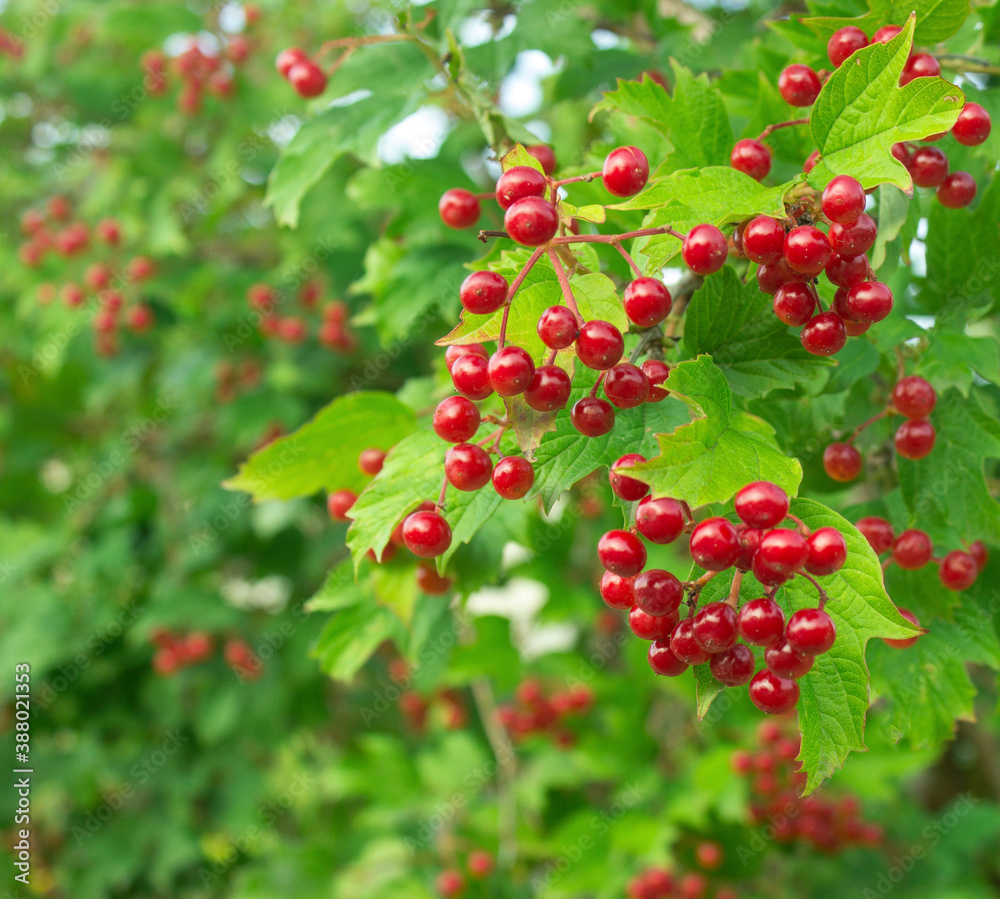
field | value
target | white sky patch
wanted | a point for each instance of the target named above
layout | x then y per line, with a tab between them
521	90
541	128
178	43
918	258
477	30
605	40
232	18
418	136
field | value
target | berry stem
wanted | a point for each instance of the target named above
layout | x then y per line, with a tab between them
823	598
441	495
627	257
486	235
695	587
514	287
552	357
733	600
871	421
614	238
563	282
804	529
590	176
647	338
958	63
686	509
770	129
597	384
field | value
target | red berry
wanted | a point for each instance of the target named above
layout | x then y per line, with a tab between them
684	646
513	477
807	250
470	375
483	292
426	534
905	641
913	549
928	166
511	370
618	592
549	389
914	397
647	301
370	461
663	661
854	238
915	438
957	190
846	271
626	385
288	58
140	318
799	85
714	627
545	156
842	462
795	303
844	42
764	240
761	621
958	570
765	573
810	631
770	277
458	208
980	553
715	544
810	162
869	301
621	552
450	884
651	627
624	487
824	335
456	352
878	532
659	520
600	345
592	416
787	662
519	182
773	695
704	249
749	543
843	199
972	126
783	550
657	372
456	419
558	327
339	503
752	158
432	583
468	467
625	171
885	34
72	295
307	78
919	65
827	551
761	504
658	592
733	667
901	153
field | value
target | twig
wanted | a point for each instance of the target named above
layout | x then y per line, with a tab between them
563	282
733	599
958	63
628	258
770	129
823	598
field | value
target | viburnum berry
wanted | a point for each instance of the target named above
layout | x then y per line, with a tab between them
450	884
928	166
842	462
647	301
765	572
483	292
288	58
624	487
957	190
715	544
657	372
456	352
545	155
827	551
558	327
704	249
626	385
531	221
749	543
549	389
770	277
980	553
844	42
600	344
913	549
471	377
843	199
799	85
684	646
426	534
339	503
658	592
854	238
807	250
846	271
651	627
761	621
734	666
752	158
914	438
972	126
139	318
307	79
370	461
824	335
785	661
625	171
458	208
914	397
479	862
810	162
878	532
885	34
869	301
771	694
714	627
519	182
659	520
468	467
761	504
663	661
621	552
456	419
810	631
783	550
904	642
430	582
958	570
763	240
618	592
511	370
794	303
919	65
513	477
592	416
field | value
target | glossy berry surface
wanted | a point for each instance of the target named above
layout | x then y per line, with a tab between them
625	171
843	42
827	551
734	666
621	553
914	397
783	550
958	570
531	221
842	462
913	549
684	646
810	631
558	327
626	385
928	166
885	34
763	240
980	553
657	372
339	503
914	438
370	461
592	416
785	661
878	532
468	467
714	627
658	592
715	544
773	695
511	370
456	419
617	591
957	190
659	520
752	158
483	292
973	125
600	344
647	301
426	534
799	85
843	199
549	388
824	335
517	183
761	621
458	208
624	487
307	78
453	353
854	238
651	627
905	642
869	301
704	249
919	65
663	661
770	277
846	271
761	504
807	250
794	303
471	377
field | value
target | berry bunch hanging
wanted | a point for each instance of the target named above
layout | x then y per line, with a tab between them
533	712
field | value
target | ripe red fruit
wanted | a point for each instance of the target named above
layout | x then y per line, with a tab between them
558	327
592	416
752	158
733	667
370	461
919	65
915	438
914	397
957	190
647	301
794	303
878	532
511	370
928	166
456	419
763	240
846	271
843	199
810	162
771	694
714	627
787	662
658	592
545	156
824	335
621	552
453	353
868	301
426	534
684	646
651	627
783	550
288	58
339	503
519	182
626	385
513	477
905	641
827	551
972	126
625	171
624	487
599	345
307	78
468	467
980	553
139	269
659	520
618	592
807	250
799	85
844	42
749	543
958	570
549	389
450	884
140	318
854	238
885	34
771	276
761	621
704	249
761	504
432	583
913	549
715	544
483	292
810	631
471	377
479	861
842	462
657	372
663	661
458	208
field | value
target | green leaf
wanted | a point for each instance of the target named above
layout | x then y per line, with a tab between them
706	689
861	112
936	19
339	590
351	636
893	208
952	357
734	323
519	156
720	450
323	454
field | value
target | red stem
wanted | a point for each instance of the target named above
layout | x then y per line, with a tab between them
628	258
514	287
597	384
770	129
614	238
588	177
823	598
563	282
865	424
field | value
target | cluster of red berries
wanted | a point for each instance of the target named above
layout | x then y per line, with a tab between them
913	549
51	231
447	705
450	883
712	633
176	651
660	883
912	397
301	72
533	712
828	825
242	659
234	378
332	331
